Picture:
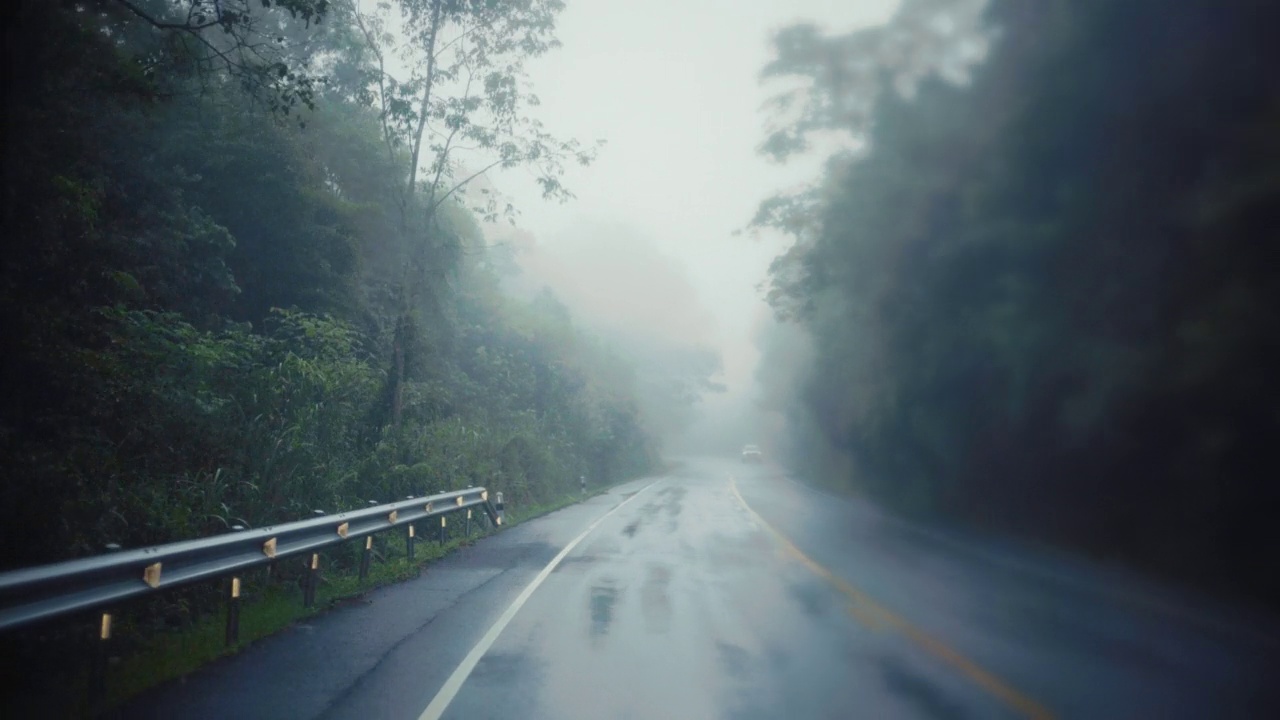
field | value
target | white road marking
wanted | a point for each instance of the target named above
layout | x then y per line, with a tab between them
460	674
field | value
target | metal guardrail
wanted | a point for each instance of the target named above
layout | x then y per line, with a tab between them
40	593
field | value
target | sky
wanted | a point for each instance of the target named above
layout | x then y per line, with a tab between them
673	88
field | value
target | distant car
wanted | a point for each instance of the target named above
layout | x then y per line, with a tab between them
752	454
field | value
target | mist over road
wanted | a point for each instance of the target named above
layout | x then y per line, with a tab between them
728	591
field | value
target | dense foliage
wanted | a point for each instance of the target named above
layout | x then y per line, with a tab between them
1040	296
225	299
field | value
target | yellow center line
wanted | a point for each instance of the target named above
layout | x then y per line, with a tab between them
864	617
873	614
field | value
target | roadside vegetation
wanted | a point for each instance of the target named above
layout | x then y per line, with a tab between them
1039	296
245	278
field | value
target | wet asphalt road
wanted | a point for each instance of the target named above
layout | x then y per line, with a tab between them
728	591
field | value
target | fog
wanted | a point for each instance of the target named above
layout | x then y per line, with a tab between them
954	332
674	90
990	282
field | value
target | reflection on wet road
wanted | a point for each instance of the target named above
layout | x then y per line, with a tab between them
724	591
686	601
603	597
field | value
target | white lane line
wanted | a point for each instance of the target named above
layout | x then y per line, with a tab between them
460	674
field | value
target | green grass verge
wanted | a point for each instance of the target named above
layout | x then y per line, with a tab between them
169	655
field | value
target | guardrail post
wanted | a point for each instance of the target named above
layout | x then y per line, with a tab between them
98	664
364	557
408	540
233	611
309	588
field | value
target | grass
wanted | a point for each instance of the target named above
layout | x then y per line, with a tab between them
268	608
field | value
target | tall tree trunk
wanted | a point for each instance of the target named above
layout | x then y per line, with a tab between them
425	107
397	389
415	268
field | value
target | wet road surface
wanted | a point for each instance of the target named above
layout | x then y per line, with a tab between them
728	591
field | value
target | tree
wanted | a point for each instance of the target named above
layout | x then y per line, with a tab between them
250	43
464	94
1031	311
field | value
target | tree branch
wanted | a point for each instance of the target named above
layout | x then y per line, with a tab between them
186	27
466	180
387	136
436	6
462	36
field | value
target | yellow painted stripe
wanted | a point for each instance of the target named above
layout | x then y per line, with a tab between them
864	608
864	617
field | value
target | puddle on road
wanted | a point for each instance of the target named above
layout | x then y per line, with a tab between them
734	660
674	505
655	600
603	598
499	665
574	560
